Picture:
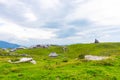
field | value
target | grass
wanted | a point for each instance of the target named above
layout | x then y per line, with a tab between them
69	65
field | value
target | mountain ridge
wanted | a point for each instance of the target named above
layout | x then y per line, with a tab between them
5	44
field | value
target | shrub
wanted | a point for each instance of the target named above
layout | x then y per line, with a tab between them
106	62
13	60
65	60
81	56
16	70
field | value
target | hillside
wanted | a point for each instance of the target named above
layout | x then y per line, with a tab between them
4	44
67	66
73	51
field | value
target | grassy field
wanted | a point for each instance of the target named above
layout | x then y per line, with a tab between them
69	65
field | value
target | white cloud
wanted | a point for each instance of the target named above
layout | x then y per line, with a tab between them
30	16
48	4
24	33
100	12
10	3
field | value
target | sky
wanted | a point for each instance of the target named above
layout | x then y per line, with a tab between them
30	22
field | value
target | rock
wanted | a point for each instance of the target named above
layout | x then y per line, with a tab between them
33	61
53	54
24	55
24	60
91	57
96	41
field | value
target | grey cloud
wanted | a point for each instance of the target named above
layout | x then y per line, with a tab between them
16	11
81	22
50	18
64	33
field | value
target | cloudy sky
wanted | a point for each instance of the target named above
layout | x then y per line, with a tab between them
29	22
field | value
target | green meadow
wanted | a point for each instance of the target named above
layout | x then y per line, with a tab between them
69	65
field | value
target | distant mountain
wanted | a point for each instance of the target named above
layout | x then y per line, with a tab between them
4	44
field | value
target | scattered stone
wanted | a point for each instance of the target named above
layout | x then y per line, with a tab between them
5	49
12	50
24	55
39	46
64	48
21	47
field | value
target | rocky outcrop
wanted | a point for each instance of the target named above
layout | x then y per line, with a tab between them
91	57
23	60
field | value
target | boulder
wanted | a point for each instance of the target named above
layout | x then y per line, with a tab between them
24	60
96	41
53	54
91	57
